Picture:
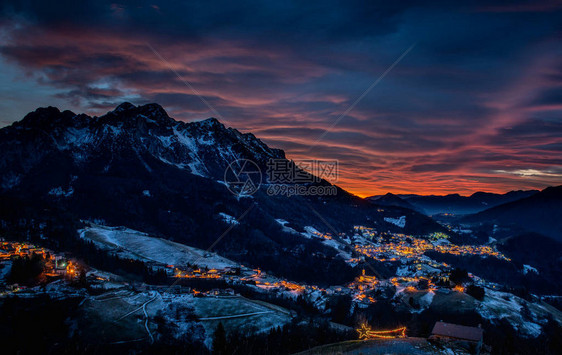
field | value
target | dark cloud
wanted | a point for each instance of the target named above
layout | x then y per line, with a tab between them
477	100
551	96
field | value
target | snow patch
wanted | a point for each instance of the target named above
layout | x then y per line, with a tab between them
179	165
530	329
197	168
310	232
399	222
502	305
60	192
209	141
229	219
338	247
165	140
78	137
425	300
283	224
529	268
403	271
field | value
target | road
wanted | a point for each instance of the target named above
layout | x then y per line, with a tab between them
235	316
139	308
146	319
143	307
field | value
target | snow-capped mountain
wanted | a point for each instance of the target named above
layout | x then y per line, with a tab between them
137	167
145	135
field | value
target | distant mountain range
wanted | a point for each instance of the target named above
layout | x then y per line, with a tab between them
453	203
391	200
541	213
531	211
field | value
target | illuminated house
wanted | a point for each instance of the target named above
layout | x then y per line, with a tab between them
467	337
60	265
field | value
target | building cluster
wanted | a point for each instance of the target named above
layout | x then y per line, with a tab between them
267	282
362	288
56	265
396	246
245	276
12	250
199	273
415	269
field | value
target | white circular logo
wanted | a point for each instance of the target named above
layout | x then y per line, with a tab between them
243	177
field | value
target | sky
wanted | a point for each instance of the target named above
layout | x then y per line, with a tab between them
433	98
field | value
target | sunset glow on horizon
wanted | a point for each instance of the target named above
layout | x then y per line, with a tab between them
476	105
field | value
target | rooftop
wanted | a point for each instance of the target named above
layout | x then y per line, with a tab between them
457	331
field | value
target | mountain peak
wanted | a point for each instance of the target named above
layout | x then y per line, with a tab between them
152	111
44	117
125	106
211	122
553	191
481	194
151	108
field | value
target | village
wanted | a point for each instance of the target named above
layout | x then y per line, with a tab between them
416	280
415	271
56	266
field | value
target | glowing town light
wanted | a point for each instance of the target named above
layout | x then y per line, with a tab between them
366	333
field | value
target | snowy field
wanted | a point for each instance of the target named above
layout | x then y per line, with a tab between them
238	313
125	315
399	222
501	305
129	243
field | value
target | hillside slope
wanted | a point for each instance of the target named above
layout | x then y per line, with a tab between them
457	204
540	213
